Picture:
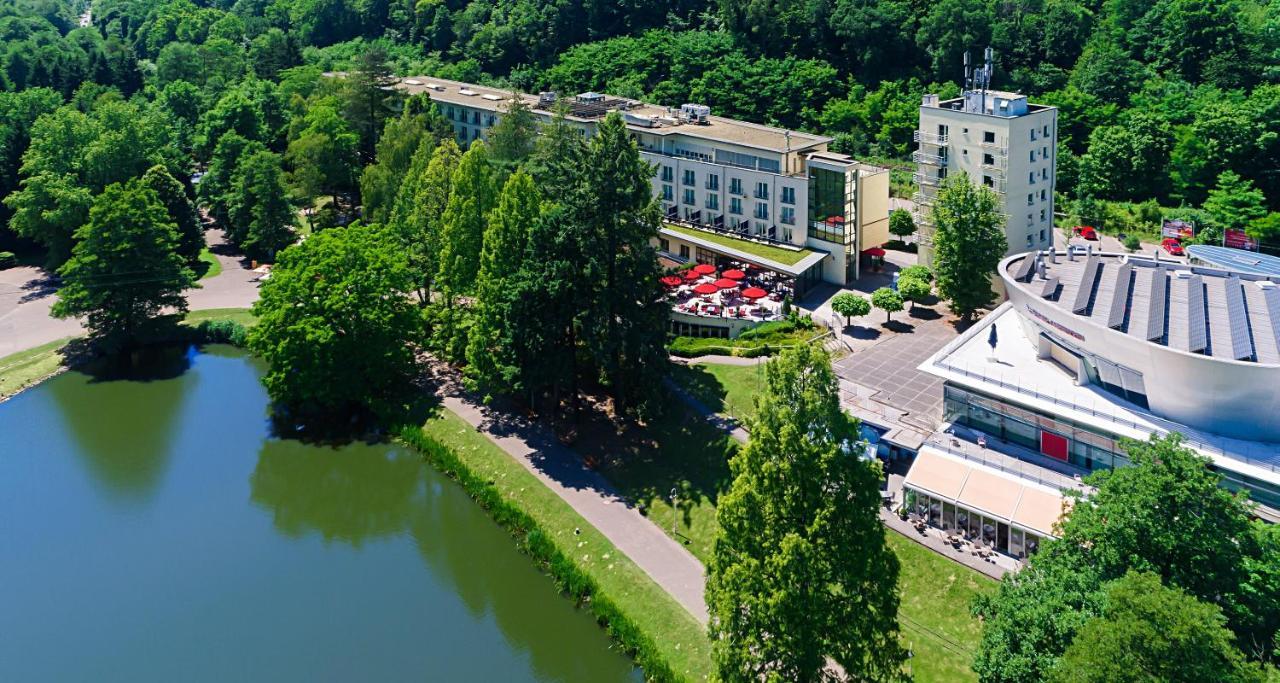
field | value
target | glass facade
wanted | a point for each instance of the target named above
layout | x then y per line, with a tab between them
1087	447
974	525
831	212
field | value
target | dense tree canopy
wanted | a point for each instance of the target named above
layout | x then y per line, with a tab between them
968	243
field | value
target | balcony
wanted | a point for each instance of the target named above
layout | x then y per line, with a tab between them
1001	148
923	179
921	157
922	199
930	138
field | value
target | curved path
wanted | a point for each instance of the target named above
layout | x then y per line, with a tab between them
27	293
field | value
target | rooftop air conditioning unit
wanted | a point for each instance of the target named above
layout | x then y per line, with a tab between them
546	98
590	97
695	113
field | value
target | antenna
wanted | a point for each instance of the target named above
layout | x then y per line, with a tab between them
968	84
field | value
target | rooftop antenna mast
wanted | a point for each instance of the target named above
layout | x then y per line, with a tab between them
986	75
968	82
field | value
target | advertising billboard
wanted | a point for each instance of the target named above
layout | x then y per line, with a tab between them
1237	239
1177	228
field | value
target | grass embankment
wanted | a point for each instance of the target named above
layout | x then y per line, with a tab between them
665	639
788	257
209	266
936	592
763	340
25	368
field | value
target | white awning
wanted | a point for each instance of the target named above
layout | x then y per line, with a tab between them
982	489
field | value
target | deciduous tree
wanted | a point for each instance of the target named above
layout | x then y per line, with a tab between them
850	305
968	244
888	301
800	573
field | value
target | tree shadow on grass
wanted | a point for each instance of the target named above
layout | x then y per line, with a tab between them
701	384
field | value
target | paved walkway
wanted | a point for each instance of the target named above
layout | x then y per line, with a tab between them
673	567
27	294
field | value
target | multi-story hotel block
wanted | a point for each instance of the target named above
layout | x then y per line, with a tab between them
1001	141
772	197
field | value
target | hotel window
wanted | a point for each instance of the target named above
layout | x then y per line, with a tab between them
1031	177
713	201
988	160
684	251
491	120
475	117
663	244
788	195
1042	235
688	197
689	178
1044	174
735	186
1033	134
787	235
1033	156
1044	152
1043	216
788	216
1046	131
762	211
1030	242
1044	194
713	182
735	206
475	134
667	174
989	137
667	193
1031	199
988	181
762	190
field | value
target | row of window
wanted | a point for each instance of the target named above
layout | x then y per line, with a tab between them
1031	197
460	115
689	179
688	197
989	136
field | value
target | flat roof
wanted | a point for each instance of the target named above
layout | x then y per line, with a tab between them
757	253
1237	260
717	128
1021	377
988	491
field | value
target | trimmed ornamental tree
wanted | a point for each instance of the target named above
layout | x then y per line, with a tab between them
968	244
901	224
801	575
914	289
850	305
888	301
336	328
125	267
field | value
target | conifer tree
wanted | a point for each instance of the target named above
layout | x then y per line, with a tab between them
260	212
181	211
462	229
420	204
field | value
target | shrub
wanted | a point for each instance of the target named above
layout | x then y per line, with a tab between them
7	259
221	332
918	272
1132	243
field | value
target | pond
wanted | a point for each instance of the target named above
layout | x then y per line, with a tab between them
152	529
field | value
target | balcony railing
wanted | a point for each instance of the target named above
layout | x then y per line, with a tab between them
921	157
926	179
922	199
1001	148
930	138
743	232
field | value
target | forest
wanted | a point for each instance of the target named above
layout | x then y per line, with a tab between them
1163	102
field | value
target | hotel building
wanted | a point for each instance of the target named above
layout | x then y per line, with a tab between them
996	139
774	198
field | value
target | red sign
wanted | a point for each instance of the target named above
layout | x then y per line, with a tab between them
1053	445
1237	239
1177	229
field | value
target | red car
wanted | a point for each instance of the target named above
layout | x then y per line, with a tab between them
1172	245
1086	232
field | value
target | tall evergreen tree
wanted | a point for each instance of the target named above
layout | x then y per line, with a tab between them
125	267
556	164
420	204
968	243
370	98
216	187
801	572
181	211
489	358
512	139
618	217
261	218
380	181
462	229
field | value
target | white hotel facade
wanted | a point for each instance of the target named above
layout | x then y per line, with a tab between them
730	189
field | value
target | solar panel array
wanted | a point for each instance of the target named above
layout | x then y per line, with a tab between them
1113	294
1085	289
1228	318
1264	317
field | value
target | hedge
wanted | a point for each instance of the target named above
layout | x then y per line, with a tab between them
533	540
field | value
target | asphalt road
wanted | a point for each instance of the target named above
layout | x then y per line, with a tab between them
27	294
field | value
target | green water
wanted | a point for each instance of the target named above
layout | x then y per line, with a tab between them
155	531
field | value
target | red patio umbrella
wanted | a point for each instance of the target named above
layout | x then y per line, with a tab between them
671	281
706	288
734	274
691	275
754	293
726	283
704	269
874	251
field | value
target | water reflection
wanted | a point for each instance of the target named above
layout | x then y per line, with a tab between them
122	412
359	494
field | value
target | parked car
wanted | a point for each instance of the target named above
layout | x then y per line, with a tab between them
1078	249
1086	231
1172	245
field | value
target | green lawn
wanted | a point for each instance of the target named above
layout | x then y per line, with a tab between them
677	634
20	370
209	263
777	254
936	592
240	315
